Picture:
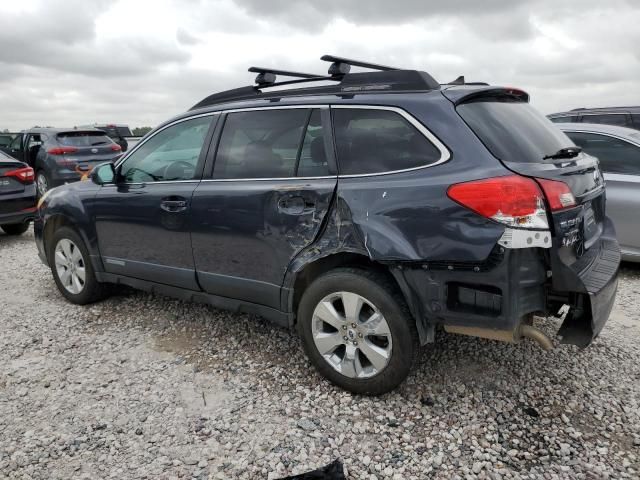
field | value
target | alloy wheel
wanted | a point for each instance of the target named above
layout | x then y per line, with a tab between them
351	334
70	266
41	184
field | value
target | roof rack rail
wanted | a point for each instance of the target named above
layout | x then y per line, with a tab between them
267	76
385	79
342	66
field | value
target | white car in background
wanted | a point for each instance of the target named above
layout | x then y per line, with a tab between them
618	149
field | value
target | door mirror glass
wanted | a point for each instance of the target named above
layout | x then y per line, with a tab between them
103	174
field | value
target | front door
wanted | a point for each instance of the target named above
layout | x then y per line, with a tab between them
273	180
142	222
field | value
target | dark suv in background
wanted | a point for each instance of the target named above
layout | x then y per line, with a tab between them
621	116
365	213
60	155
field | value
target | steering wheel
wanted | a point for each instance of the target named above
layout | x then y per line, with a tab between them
175	170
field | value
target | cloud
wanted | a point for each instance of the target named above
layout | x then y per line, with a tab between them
73	62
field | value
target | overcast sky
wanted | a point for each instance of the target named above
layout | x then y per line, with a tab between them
73	62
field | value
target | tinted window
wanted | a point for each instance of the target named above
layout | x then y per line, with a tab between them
564	119
171	154
124	131
313	158
16	144
616	156
82	139
260	144
636	121
513	131
611	119
375	141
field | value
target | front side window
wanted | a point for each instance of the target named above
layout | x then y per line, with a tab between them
171	154
376	141
276	143
615	155
610	119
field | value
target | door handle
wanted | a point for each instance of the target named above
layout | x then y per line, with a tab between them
295	205
173	205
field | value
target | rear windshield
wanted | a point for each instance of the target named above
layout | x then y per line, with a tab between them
82	139
513	131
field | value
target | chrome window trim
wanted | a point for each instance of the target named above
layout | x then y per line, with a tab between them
445	155
266	179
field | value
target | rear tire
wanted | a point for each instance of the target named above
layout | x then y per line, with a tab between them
43	183
15	228
72	269
357	331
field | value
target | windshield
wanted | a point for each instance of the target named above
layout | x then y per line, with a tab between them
83	139
513	131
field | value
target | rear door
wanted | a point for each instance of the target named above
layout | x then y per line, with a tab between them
143	220
271	185
620	162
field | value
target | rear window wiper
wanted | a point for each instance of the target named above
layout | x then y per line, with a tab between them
567	152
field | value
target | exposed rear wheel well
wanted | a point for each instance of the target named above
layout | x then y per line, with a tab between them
306	276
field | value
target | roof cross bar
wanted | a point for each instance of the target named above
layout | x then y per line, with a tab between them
342	66
267	76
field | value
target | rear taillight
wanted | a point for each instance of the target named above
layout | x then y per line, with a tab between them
62	150
24	175
558	194
116	148
512	200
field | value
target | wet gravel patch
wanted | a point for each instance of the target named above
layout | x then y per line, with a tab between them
143	386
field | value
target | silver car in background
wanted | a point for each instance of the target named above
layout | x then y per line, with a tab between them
618	149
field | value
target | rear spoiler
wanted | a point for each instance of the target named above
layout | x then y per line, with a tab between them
464	94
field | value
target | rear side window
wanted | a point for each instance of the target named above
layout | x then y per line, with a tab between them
607	119
615	155
636	121
376	141
82	139
513	131
271	144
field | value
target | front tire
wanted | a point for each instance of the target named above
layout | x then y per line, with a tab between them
15	228
72	269
357	331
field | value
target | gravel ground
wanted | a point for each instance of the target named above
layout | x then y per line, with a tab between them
147	387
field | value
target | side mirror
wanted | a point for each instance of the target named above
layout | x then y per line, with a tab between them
104	174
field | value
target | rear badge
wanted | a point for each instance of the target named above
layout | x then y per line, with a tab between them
94	150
